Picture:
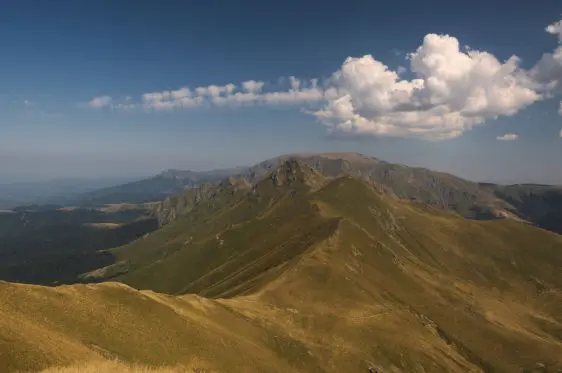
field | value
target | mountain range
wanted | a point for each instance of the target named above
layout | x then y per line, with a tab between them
314	263
537	204
153	189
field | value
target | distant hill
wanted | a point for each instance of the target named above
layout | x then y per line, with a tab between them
537	204
152	189
303	272
540	205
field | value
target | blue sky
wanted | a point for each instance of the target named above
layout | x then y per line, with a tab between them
59	56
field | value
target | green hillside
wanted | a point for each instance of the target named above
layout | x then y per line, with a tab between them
348	276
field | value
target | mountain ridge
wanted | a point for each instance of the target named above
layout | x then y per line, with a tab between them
441	190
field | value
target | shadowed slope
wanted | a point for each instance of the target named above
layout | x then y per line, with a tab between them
230	243
540	204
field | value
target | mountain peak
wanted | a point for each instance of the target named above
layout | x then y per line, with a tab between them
352	157
292	171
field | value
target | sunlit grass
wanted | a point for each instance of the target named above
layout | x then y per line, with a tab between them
106	366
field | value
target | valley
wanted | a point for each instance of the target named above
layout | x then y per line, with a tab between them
52	244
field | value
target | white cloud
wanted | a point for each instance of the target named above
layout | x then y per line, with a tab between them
222	95
453	91
100	102
215	90
167	100
560	109
508	137
547	73
555	29
295	83
253	86
181	93
236	99
185	97
297	94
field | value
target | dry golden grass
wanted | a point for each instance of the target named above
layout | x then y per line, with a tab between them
390	284
42	327
108	366
116	207
103	225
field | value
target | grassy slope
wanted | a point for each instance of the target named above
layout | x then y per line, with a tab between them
43	326
491	266
334	279
229	248
492	288
104	366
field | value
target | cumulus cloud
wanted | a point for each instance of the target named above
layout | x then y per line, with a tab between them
215	90
547	73
508	137
300	92
560	109
167	100
250	92
451	90
555	29
253	86
100	102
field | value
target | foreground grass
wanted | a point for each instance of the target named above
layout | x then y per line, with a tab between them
106	366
